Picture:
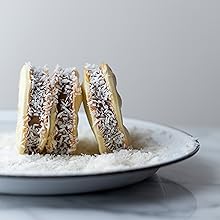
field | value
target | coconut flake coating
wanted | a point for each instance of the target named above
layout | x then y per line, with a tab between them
37	117
67	87
99	100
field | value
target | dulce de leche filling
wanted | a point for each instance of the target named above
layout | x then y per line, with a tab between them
67	87
99	101
36	110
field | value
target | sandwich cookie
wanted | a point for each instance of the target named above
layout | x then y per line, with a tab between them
67	98
34	103
102	104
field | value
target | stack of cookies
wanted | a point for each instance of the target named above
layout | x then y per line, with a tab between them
48	108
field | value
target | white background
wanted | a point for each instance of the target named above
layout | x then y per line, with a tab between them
166	54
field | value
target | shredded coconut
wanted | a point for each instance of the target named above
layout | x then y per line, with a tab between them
101	109
66	88
145	152
37	119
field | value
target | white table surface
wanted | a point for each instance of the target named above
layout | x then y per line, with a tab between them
187	190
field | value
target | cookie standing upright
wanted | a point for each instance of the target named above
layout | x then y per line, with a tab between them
67	98
33	109
102	104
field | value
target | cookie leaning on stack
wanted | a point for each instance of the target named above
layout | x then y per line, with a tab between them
102	104
47	110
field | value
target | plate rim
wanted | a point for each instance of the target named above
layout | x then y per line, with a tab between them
156	166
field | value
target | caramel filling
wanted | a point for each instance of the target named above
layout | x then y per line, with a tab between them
66	83
36	113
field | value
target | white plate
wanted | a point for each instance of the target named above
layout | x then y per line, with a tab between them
169	145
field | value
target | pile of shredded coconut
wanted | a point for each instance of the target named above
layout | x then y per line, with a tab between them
145	153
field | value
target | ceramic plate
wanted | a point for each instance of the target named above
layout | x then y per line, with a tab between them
167	146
